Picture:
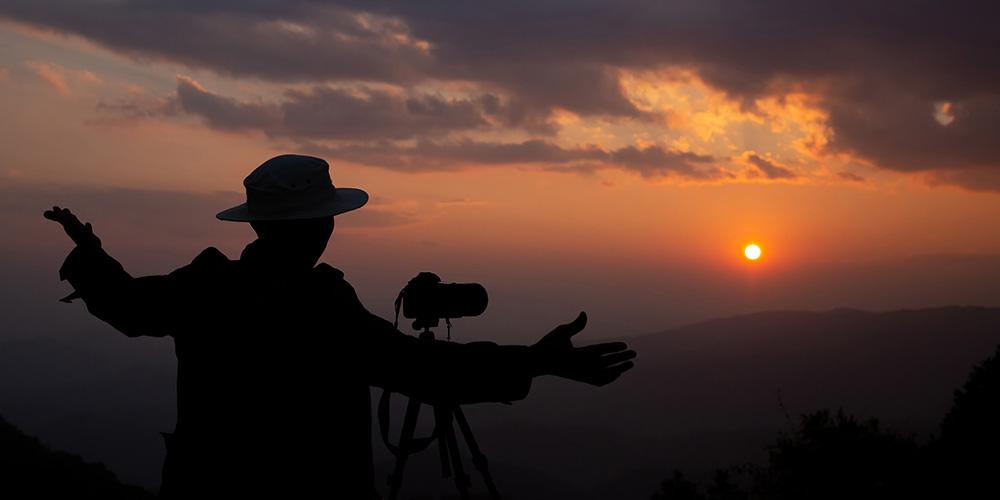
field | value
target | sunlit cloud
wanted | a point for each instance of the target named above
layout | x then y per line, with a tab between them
461	202
942	113
58	77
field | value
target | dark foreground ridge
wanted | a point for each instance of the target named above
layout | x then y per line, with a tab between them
28	469
706	396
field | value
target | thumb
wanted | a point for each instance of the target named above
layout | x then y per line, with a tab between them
574	327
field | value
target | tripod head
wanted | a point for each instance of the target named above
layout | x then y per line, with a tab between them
427	300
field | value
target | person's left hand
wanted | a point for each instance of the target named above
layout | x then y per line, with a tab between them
597	364
81	234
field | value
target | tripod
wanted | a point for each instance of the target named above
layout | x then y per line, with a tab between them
445	415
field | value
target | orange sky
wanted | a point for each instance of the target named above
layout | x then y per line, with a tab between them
649	242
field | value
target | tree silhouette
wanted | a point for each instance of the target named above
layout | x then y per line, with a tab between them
677	487
830	456
968	451
723	487
838	456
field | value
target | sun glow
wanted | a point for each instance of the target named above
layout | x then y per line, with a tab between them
752	252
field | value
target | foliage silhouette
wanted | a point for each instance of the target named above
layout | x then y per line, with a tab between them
966	454
677	487
835	455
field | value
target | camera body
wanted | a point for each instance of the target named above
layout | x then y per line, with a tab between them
428	299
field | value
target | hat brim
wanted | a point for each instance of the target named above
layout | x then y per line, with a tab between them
346	199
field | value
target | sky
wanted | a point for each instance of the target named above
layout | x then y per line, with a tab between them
613	157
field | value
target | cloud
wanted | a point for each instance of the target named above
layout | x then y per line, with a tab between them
768	168
655	161
460	202
268	39
358	113
56	76
342	114
876	69
49	75
224	113
849	177
428	156
897	130
319	42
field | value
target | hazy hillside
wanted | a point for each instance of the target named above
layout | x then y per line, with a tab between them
29	470
708	394
701	396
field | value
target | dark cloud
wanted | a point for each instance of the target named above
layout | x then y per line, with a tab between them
769	168
324	112
323	41
224	113
585	89
849	177
655	162
897	130
425	156
974	179
340	114
535	119
276	40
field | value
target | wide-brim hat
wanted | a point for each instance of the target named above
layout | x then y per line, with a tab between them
291	187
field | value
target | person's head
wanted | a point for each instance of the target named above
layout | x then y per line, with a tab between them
302	240
291	200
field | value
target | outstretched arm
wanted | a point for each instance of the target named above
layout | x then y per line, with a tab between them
152	305
437	371
597	364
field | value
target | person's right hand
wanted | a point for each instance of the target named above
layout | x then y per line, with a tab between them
81	234
597	364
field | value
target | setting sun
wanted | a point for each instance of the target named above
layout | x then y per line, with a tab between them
752	252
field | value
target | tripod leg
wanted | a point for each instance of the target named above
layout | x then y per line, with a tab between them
442	420
405	441
478	459
462	480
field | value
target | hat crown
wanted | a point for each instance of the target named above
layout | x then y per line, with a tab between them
289	185
289	174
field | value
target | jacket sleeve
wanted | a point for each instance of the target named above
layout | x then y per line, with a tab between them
154	305
436	371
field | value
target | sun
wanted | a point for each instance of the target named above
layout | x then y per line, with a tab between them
752	252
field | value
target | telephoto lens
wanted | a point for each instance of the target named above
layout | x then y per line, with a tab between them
426	297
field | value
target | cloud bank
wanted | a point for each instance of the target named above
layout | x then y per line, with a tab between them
878	70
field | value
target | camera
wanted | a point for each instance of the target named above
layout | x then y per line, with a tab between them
427	299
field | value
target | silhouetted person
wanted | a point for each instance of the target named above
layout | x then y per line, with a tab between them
276	354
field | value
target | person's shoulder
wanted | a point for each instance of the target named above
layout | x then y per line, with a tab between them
328	272
208	261
328	280
210	256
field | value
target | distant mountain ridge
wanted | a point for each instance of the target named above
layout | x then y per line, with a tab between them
733	380
703	395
